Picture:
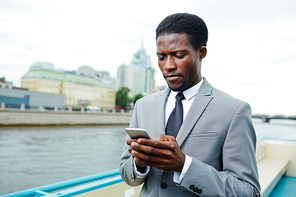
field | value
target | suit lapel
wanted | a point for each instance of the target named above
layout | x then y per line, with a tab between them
160	111
200	103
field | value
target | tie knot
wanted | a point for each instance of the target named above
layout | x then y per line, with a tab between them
180	96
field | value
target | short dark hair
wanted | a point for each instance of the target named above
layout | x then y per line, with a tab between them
189	24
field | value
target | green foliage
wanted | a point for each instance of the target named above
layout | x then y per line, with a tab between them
138	96
122	99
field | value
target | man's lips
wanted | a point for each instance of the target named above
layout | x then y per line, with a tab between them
172	77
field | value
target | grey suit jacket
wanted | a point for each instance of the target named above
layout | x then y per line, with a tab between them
219	136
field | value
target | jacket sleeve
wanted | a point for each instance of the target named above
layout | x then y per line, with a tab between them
126	167
239	176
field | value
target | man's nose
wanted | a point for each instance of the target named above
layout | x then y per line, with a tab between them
169	64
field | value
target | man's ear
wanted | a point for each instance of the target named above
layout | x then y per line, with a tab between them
202	52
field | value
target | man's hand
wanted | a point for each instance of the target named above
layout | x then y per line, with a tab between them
163	153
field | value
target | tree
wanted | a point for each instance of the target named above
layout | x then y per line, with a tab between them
122	99
137	97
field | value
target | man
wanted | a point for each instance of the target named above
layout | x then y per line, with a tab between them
213	152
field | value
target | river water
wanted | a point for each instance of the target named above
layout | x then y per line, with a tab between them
36	156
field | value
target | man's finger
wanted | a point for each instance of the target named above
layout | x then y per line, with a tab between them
156	143
129	141
145	159
150	151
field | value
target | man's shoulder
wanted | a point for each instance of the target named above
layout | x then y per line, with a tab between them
226	99
219	95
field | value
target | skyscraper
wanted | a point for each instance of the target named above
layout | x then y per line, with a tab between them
138	76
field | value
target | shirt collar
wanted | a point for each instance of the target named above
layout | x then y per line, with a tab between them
189	93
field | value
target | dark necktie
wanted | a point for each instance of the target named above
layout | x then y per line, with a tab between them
176	118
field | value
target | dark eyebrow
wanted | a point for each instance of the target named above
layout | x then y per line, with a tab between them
179	51
173	52
160	53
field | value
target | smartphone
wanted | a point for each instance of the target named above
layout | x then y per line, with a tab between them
137	133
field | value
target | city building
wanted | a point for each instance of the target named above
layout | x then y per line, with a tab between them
122	75
105	77
14	98
5	84
87	71
42	65
81	88
138	76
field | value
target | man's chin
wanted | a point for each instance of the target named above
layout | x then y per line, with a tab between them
176	87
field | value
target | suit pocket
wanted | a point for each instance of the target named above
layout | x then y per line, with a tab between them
205	134
200	144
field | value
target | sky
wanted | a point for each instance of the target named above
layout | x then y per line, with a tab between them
251	46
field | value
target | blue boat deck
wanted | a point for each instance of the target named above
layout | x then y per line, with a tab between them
286	187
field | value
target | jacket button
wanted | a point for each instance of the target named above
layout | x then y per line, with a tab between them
163	185
191	187
199	191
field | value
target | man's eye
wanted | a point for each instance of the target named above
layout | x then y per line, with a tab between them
160	58
179	56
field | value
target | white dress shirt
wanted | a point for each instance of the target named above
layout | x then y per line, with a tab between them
189	95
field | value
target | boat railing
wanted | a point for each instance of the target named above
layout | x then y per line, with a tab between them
72	187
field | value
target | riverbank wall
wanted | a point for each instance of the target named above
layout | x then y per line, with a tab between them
9	117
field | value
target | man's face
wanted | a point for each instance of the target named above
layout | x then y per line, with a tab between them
178	61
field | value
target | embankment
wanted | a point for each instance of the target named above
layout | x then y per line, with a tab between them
10	117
